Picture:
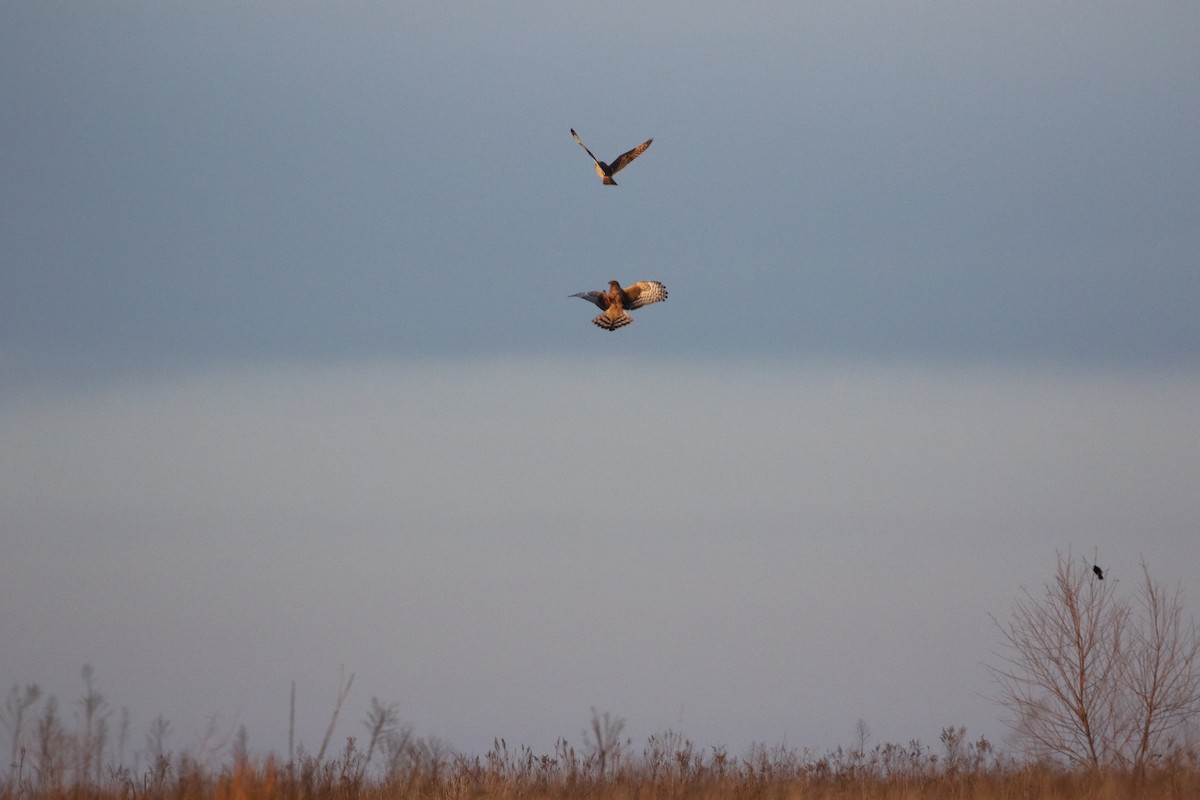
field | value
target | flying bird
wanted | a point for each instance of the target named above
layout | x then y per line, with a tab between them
606	171
1099	572
616	303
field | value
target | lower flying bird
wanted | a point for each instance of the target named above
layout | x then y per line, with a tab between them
606	171
616	303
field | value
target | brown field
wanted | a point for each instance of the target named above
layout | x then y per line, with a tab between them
668	766
86	761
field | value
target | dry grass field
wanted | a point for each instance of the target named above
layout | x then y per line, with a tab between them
668	766
54	760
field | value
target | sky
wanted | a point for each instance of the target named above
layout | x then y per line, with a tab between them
292	384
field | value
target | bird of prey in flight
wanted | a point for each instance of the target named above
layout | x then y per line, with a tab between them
606	171
616	303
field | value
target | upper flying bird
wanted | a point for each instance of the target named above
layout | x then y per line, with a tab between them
606	171
617	302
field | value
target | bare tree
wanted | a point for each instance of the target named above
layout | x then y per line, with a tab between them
1161	670
1093	678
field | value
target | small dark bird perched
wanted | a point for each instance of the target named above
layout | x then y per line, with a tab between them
1099	572
606	171
617	302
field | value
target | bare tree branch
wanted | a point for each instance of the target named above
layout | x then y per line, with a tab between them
1094	679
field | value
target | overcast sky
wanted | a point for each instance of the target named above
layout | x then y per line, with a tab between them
290	377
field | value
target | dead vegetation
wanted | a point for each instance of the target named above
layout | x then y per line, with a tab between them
395	764
1104	693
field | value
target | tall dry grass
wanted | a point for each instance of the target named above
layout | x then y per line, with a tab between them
52	761
669	766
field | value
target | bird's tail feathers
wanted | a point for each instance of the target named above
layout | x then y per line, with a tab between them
613	318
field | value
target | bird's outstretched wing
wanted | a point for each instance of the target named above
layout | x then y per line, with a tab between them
643	293
584	146
622	161
599	298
